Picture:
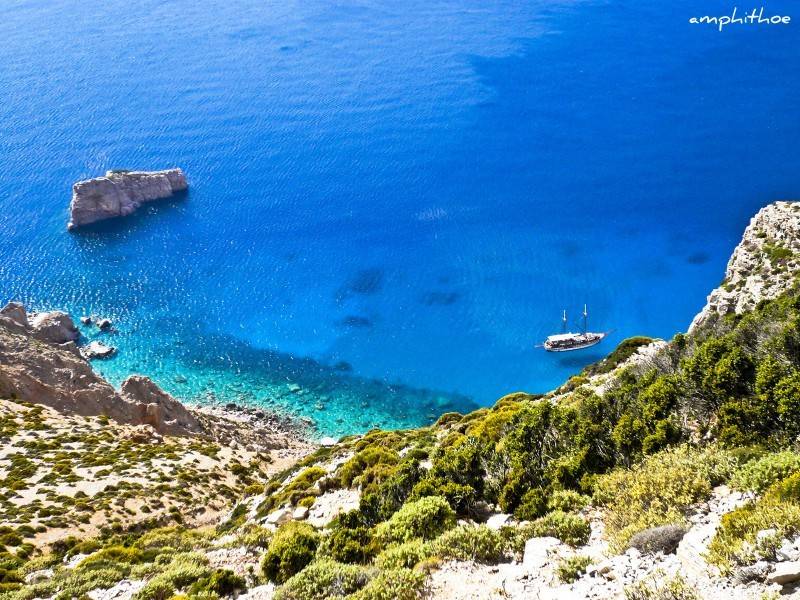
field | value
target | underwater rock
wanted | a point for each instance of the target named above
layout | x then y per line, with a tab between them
120	193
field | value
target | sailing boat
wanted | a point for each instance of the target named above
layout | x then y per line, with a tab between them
566	341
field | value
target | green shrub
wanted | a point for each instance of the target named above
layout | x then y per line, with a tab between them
324	580
425	518
761	473
369	457
469	542
254	536
660	587
572	568
348	545
291	549
659	490
221	582
570	528
460	497
786	490
395	584
405	555
532	505
567	501
183	570
735	542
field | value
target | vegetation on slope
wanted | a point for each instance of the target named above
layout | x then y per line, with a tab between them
719	406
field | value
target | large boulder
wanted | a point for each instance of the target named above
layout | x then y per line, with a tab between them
120	193
55	327
16	312
157	408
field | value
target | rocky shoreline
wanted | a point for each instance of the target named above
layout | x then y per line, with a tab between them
41	362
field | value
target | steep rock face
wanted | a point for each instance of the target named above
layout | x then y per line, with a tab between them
763	266
120	193
38	365
55	327
158	409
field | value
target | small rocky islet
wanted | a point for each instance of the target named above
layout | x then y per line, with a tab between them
667	471
119	193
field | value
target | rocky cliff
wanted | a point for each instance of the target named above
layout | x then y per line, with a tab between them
763	266
120	193
40	363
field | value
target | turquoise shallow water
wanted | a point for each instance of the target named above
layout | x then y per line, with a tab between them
390	203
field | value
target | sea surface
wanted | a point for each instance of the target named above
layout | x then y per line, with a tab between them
391	202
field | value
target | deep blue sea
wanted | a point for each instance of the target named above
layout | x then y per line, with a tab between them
391	202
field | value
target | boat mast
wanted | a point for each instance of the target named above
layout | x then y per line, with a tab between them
564	322
585	314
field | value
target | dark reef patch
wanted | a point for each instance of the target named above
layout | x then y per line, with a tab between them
366	282
355	322
440	298
698	258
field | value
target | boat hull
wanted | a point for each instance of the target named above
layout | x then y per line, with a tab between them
578	346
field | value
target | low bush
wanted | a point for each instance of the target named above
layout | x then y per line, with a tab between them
361	461
660	587
220	582
659	490
405	555
469	542
182	571
394	584
532	505
425	518
570	528
291	549
567	501
323	580
759	474
664	539
736	540
572	568
348	545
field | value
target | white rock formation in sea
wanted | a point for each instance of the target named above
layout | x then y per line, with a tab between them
97	349
120	193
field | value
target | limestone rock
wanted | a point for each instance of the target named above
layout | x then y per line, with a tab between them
157	408
16	312
300	513
120	193
785	572
537	552
55	327
97	349
756	271
278	517
754	572
497	521
55	374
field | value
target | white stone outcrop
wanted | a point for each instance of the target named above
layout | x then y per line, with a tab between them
763	266
120	193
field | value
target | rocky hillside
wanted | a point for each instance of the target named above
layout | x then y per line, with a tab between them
668	471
